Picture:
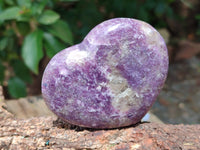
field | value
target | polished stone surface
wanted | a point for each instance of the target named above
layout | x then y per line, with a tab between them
109	80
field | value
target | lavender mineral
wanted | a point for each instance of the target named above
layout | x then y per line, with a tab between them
109	80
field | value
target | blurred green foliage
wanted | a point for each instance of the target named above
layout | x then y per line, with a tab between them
197	17
86	14
31	29
28	30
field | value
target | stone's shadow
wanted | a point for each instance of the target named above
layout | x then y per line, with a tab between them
59	123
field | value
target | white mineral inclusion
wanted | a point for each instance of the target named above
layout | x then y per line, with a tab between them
146	29
123	96
113	28
76	57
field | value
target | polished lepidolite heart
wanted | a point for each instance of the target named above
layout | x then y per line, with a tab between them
109	80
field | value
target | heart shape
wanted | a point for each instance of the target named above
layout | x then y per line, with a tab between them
109	80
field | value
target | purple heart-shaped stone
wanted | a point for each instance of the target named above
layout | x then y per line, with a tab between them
109	80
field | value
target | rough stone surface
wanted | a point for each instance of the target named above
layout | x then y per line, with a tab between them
1	94
31	106
45	133
109	80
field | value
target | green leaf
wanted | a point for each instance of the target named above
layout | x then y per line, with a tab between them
26	3
3	43
1	6
2	69
10	13
21	71
48	17
52	45
16	87
37	8
61	30
9	2
32	50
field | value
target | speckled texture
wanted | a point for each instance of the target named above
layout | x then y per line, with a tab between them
111	78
